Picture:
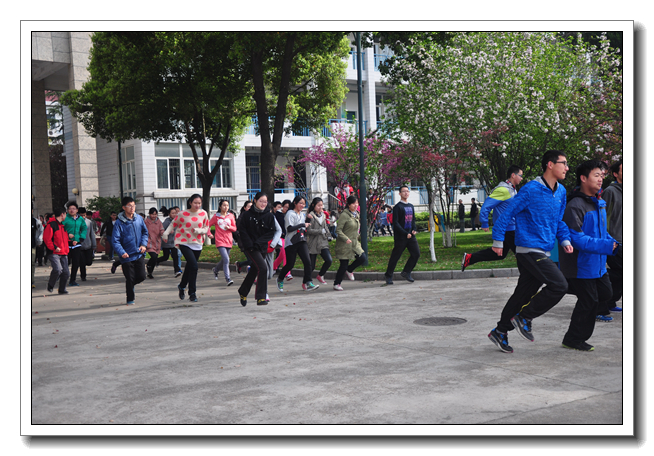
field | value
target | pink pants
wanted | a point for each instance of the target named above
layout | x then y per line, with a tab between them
281	257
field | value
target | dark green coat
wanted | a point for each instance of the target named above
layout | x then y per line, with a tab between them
347	227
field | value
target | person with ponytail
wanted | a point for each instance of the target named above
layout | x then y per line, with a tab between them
192	231
256	228
296	244
318	237
225	224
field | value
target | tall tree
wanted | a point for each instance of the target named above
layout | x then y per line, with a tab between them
170	86
299	82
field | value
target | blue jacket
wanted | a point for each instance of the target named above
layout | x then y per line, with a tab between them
128	236
538	212
586	218
498	202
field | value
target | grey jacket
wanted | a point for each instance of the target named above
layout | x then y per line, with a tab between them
168	242
89	240
318	235
613	197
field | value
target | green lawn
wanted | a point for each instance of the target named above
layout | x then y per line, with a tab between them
380	248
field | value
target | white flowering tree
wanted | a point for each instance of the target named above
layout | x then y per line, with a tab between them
505	98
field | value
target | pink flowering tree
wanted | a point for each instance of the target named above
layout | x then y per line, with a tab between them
339	155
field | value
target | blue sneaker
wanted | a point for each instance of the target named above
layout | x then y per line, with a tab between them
130	303
280	287
523	325
616	309
604	318
501	340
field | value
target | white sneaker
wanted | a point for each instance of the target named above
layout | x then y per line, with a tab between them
338	287
289	277
349	275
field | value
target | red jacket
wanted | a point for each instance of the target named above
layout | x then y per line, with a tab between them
54	236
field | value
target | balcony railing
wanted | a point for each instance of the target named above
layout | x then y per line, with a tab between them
379	58
295	131
327	133
354	60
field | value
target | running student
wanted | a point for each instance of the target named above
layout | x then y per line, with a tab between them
129	239
168	243
56	238
256	228
242	264
585	269
404	227
225	224
497	202
76	228
318	237
191	227
347	242
538	210
155	232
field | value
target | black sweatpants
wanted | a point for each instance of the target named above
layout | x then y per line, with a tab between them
535	269
134	272
258	270
327	261
401	243
489	255
589	292
615	276
358	261
300	249
74	259
170	252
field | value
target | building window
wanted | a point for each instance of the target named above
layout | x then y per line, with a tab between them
129	172
169	158
253	172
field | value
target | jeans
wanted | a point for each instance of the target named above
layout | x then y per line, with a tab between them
134	272
191	269
168	252
292	251
489	255
259	271
358	261
59	272
224	261
402	243
535	269
589	292
462	225
74	258
327	261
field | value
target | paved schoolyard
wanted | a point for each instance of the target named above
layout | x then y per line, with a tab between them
323	357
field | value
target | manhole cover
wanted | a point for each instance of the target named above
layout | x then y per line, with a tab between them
440	321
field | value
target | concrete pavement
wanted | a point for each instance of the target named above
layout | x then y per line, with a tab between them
322	357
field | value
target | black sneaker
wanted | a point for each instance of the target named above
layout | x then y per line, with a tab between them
523	325
63	292
581	346
113	267
465	262
389	280
73	284
83	279
262	302
192	297
181	292
407	276
501	340
244	300
50	289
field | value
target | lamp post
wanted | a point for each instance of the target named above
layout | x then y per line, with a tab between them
362	166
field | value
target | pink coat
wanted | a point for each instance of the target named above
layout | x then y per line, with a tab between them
155	230
225	226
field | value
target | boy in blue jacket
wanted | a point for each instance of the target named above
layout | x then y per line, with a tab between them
585	269
130	239
538	211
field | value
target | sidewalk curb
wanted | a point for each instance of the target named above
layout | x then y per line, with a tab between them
418	275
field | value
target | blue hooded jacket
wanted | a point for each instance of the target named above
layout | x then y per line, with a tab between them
586	218
497	202
538	212
128	236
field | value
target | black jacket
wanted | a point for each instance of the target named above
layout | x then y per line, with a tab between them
256	229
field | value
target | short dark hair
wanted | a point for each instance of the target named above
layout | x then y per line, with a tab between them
153	210
126	200
72	203
404	186
285	202
585	168
615	168
512	169
351	199
82	210
57	211
277	203
551	156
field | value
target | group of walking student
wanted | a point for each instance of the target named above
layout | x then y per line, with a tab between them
583	228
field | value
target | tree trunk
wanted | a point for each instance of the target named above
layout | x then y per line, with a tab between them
432	222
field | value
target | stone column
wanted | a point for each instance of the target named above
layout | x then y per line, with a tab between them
41	185
85	154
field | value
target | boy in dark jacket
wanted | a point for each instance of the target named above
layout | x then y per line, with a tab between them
585	269
404	227
56	239
130	239
538	211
